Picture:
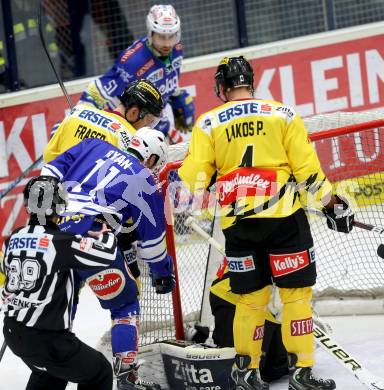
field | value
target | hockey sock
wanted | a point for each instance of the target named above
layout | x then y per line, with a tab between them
297	324
248	324
124	335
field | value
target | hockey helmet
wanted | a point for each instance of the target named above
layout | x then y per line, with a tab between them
163	19
45	196
233	72
147	142
145	95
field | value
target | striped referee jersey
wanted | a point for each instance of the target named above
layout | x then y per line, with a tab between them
38	264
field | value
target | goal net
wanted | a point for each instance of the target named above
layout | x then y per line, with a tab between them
350	273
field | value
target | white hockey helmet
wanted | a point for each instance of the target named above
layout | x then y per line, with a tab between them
163	19
147	142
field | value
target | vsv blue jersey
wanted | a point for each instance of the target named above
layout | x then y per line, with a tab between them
100	178
136	62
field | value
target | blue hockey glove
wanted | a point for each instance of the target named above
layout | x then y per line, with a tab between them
183	108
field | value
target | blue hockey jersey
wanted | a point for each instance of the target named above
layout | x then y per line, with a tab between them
136	62
100	178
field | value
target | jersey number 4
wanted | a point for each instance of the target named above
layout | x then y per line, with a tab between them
247	159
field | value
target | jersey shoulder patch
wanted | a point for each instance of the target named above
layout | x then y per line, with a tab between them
285	112
207	122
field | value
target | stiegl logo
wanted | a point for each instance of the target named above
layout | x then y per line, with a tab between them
189	373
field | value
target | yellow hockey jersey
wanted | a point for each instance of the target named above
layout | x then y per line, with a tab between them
265	163
88	122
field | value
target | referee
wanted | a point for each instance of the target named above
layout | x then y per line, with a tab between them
38	293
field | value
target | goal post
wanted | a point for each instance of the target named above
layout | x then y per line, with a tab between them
350	279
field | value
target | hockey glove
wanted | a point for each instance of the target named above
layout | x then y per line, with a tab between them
340	217
183	108
163	280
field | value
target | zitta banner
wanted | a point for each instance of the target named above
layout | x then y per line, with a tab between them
193	367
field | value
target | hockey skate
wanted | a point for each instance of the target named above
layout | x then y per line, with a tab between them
246	378
302	378
128	377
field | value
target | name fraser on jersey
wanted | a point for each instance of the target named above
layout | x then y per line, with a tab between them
83	132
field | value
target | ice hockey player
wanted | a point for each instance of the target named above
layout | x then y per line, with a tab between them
274	359
158	58
39	288
117	186
266	169
139	105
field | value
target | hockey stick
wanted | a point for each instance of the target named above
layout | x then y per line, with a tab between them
34	165
2	350
322	338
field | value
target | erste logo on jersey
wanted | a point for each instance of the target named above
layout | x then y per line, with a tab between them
241	264
96	117
244	109
107	284
29	242
284	264
156	76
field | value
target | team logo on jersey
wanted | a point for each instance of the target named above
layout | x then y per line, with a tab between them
85	244
245	182
302	327
148	65
176	63
238	111
241	264
156	76
285	112
265	109
170	85
107	284
130	52
284	264
115	126
43	244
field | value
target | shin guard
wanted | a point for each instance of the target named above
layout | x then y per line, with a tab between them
297	324
248	324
